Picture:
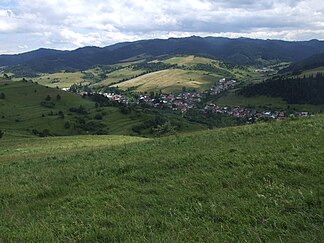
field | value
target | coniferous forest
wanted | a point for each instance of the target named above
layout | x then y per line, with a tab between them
299	90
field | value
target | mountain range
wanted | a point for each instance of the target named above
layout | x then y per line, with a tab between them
242	51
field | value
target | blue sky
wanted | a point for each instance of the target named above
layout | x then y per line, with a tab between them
67	24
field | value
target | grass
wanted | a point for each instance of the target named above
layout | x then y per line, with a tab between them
187	60
21	112
119	75
171	80
61	79
37	147
253	183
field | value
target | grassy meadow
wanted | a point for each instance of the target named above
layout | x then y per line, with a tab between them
61	79
256	183
171	80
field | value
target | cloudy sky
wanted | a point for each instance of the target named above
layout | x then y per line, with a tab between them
67	24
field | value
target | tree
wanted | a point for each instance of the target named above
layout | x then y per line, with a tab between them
61	114
2	96
58	97
1	133
164	129
48	98
67	125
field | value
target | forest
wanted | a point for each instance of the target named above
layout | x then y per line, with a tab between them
301	90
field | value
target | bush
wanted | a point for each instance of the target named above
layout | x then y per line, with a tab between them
61	114
98	117
164	129
2	96
67	125
47	104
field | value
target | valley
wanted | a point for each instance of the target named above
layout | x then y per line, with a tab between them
179	140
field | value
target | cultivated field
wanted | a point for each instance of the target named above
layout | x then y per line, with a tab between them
171	80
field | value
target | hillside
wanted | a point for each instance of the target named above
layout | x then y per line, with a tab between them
260	182
306	90
241	51
169	74
27	109
170	81
307	66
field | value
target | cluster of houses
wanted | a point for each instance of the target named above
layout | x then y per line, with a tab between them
182	101
249	113
188	100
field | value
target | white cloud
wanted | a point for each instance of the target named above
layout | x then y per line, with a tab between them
74	23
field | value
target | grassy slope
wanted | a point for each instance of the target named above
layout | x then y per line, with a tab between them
61	80
21	110
171	80
254	183
119	75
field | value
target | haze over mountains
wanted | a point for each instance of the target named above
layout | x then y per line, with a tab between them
238	51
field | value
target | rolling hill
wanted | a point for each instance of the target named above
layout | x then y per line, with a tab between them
260	182
29	109
168	73
239	51
26	109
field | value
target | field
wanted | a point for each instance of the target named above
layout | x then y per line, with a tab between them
118	75
261	182
61	80
172	80
187	60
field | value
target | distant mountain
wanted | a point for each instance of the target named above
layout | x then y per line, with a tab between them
239	51
312	62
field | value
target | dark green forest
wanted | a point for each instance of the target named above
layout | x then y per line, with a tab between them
305	90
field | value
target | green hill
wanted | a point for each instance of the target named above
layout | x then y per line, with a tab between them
26	109
260	182
29	109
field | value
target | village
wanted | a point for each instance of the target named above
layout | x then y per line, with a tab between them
187	100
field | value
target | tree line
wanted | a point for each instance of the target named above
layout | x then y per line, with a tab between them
301	90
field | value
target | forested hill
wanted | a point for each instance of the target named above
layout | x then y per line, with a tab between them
239	51
312	62
306	90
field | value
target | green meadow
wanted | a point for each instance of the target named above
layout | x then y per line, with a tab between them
254	183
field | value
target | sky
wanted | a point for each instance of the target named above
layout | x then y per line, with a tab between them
68	24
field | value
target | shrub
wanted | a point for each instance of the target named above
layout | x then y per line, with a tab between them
47	104
67	125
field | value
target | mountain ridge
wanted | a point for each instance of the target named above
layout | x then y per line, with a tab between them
243	51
